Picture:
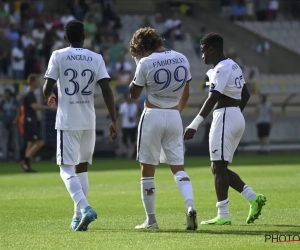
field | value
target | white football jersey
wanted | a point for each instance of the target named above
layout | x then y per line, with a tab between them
227	78
164	75
76	70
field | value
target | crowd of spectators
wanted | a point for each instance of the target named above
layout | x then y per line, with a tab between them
260	10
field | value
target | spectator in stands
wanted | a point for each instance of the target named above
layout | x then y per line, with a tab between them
238	10
273	9
128	112
13	34
66	17
124	69
31	64
5	49
27	39
116	49
261	10
38	34
77	10
174	27
48	42
90	26
47	21
158	24
18	63
264	120
262	46
9	112
198	38
226	8
250	9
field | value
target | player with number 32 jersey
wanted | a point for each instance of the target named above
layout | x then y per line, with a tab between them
76	71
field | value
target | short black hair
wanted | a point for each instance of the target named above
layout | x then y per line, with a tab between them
74	30
213	39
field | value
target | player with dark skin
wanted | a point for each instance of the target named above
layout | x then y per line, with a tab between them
107	96
223	176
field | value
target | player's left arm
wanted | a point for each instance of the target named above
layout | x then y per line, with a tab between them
245	97
139	81
218	82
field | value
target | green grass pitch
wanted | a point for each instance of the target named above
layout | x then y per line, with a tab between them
35	209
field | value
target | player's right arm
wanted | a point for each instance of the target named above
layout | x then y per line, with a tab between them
184	98
51	77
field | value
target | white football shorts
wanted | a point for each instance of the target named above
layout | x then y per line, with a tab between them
226	131
75	146
160	137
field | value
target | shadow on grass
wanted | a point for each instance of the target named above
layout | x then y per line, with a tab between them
215	230
125	164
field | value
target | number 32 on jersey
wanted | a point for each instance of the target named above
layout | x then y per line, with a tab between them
73	79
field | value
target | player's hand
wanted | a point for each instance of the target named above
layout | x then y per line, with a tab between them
51	100
189	133
113	131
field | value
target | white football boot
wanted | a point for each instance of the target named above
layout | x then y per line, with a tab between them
146	225
191	219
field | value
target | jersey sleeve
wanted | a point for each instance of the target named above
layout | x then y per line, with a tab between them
140	77
218	80
102	72
53	68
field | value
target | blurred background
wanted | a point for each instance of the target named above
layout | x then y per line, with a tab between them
262	36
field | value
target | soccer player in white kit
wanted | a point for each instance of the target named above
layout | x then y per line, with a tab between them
76	71
166	75
229	95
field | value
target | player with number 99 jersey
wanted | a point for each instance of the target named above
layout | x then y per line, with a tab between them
76	70
165	74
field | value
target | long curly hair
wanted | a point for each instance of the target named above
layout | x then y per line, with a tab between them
145	39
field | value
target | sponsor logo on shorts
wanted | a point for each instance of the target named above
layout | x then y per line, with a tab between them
214	151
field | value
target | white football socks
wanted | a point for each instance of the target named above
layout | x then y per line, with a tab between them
223	210
67	174
84	182
148	197
185	187
248	193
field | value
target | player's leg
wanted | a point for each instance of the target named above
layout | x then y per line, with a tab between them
86	151
148	151
172	153
81	174
256	201
219	145
67	158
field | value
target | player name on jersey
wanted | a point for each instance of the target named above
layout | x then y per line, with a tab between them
168	62
79	58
